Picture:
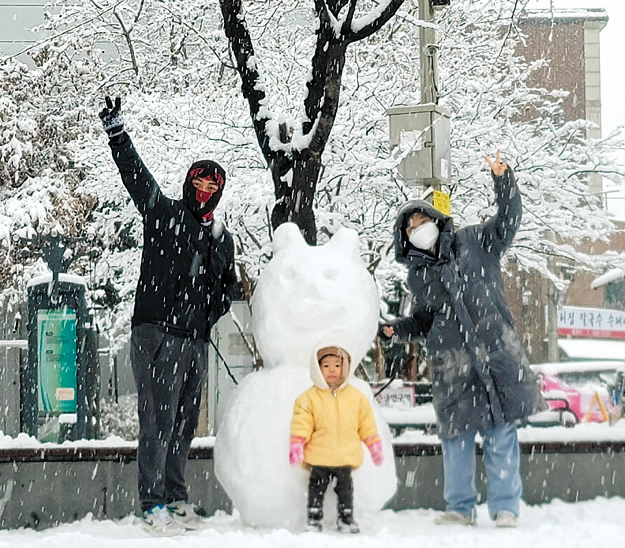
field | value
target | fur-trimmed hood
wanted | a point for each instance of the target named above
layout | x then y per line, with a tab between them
315	370
404	250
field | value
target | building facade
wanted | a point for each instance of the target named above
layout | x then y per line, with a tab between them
569	42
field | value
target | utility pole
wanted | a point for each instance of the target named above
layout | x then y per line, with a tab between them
429	55
553	349
422	130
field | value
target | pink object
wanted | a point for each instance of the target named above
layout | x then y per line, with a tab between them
558	394
377	456
296	452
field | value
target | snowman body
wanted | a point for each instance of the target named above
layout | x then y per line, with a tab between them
307	297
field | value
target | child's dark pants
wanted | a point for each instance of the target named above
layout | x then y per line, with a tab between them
343	487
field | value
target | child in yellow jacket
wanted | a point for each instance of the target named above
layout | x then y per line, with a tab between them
330	422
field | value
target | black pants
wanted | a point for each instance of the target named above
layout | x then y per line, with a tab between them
168	371
343	487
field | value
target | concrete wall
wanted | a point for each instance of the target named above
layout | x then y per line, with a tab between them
40	488
570	472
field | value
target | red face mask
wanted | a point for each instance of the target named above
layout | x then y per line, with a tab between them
202	196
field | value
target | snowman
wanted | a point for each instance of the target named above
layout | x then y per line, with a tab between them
307	297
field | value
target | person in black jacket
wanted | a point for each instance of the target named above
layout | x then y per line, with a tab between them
481	379
187	282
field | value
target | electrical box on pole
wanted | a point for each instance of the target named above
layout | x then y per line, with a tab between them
423	130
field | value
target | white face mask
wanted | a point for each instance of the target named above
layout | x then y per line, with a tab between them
424	236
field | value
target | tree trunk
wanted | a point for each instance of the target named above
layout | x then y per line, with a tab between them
295	192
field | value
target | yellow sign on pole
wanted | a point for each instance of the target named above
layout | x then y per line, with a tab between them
441	202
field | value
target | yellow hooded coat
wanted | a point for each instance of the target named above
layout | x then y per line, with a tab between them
333	424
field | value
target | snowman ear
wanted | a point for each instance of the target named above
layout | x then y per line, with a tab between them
346	240
287	236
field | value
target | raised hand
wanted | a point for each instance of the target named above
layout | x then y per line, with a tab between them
111	117
497	166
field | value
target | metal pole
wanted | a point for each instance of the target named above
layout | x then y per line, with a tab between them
552	321
552	310
428	55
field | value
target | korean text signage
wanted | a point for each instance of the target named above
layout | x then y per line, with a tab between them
394	397
56	334
601	323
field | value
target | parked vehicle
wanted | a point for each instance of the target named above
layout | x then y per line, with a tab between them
581	391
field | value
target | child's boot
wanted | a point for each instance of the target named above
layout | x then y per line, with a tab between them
315	518
346	522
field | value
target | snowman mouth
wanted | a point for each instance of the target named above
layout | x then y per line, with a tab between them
309	311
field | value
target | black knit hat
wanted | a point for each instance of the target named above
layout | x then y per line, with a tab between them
203	169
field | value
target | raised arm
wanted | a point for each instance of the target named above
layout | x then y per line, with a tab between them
141	186
499	231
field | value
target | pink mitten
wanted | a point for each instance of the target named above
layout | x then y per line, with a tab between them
376	452
296	452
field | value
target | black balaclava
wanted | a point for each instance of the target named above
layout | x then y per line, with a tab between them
202	204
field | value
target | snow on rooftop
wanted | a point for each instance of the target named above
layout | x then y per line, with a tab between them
47	278
593	349
585	366
595	14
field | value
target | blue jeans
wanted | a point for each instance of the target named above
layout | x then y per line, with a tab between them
501	460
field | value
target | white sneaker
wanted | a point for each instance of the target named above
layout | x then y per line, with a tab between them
158	522
505	519
185	514
455	518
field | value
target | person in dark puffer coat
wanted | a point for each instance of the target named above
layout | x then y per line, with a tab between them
481	379
187	282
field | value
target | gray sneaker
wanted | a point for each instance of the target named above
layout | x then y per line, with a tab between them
505	519
314	522
452	517
346	522
186	515
158	522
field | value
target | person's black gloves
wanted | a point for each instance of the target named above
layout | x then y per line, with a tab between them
112	120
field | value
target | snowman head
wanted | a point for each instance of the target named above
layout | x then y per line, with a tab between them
313	296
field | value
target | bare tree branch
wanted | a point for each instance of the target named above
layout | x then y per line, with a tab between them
126	33
376	24
243	49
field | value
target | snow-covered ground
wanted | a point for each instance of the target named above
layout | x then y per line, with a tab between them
592	524
589	524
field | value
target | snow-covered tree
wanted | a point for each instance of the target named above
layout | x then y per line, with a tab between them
171	63
293	148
